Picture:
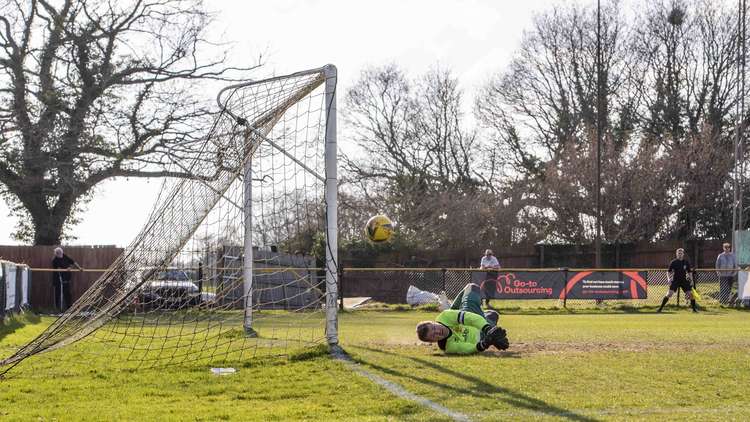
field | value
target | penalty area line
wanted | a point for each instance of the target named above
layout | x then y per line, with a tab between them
339	354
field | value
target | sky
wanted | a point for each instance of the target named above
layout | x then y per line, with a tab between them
473	38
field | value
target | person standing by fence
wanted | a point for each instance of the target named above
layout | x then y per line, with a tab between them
489	262
677	275
726	265
61	279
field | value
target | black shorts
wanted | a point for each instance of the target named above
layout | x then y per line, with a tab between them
680	284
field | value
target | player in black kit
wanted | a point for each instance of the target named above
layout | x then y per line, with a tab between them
677	274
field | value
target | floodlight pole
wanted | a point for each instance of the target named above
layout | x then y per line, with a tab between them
598	241
331	198
739	162
741	152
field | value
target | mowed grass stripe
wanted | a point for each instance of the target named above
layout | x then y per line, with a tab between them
577	366
583	366
397	389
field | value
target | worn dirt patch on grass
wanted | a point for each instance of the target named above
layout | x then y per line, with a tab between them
596	347
530	348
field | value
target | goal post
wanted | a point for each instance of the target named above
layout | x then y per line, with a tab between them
331	195
331	211
246	244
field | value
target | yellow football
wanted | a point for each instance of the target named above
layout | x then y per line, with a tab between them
379	228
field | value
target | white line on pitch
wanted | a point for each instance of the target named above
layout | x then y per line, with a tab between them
397	389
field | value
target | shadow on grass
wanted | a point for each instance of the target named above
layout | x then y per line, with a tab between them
15	322
674	309
479	387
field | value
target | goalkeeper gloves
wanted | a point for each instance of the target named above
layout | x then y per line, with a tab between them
483	343
493	336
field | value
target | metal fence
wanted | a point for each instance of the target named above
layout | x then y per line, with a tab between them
390	285
283	290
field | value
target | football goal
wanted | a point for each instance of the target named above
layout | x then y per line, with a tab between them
236	261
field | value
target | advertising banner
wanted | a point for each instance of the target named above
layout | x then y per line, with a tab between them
520	284
562	284
743	287
25	286
605	285
10	287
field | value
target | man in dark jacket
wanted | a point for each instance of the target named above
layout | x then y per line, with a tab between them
61	279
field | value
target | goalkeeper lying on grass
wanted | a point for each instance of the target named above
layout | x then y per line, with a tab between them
464	328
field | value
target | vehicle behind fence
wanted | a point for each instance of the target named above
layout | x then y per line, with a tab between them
525	287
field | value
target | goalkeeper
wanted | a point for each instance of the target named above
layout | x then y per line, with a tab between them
464	328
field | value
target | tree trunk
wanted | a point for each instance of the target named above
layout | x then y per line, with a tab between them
49	221
48	229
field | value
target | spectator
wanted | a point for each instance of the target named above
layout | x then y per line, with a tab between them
412	262
61	279
725	262
489	262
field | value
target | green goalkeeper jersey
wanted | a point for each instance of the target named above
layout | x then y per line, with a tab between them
466	331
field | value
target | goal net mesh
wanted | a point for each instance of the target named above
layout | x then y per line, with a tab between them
181	291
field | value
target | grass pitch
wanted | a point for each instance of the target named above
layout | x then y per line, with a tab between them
581	366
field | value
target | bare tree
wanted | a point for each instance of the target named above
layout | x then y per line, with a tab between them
669	95
409	133
418	163
95	89
637	195
414	153
688	52
547	96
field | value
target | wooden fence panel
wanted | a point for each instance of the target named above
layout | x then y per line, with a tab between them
42	291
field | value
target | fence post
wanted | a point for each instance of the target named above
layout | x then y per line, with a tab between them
443	270
2	291
28	289
541	256
341	287
617	253
565	287
698	254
